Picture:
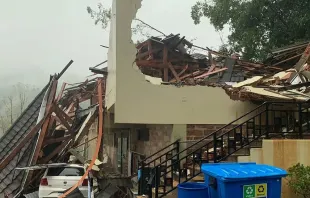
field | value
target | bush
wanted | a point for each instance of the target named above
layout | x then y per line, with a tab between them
299	179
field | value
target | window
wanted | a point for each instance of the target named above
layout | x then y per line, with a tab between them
65	171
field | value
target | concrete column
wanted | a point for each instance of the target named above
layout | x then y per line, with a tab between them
179	131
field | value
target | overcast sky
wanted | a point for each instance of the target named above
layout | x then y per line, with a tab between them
39	38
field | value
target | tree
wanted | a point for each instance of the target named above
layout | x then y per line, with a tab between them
257	26
4	124
21	90
103	16
12	105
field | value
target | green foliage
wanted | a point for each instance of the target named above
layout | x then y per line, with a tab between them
102	16
256	26
299	179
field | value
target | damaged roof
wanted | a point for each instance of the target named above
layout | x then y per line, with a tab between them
11	179
171	60
291	84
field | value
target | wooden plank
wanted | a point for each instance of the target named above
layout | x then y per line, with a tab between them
165	61
189	75
174	72
209	73
304	58
147	53
44	128
180	73
77	155
55	152
86	125
55	140
98	144
62	119
61	91
63	114
149	46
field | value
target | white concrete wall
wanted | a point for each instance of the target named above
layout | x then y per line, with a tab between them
110	95
140	101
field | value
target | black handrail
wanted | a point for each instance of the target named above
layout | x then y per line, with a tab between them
212	134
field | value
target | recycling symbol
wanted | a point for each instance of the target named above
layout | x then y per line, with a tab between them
261	189
249	190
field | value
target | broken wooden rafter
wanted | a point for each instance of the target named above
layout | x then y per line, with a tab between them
174	72
85	142
55	152
52	140
64	69
180	73
147	53
64	115
86	125
283	61
79	157
304	58
160	65
98	144
61	92
188	75
149	47
165	61
209	73
63	120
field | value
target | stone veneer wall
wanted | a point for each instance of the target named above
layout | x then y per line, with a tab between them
198	131
160	136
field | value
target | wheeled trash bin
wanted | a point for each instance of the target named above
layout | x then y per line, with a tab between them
243	180
193	190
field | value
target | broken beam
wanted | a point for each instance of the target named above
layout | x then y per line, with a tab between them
55	140
55	152
209	73
174	72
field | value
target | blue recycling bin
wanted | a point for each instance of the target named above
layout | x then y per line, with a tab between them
193	190
243	180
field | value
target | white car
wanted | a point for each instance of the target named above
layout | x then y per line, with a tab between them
58	179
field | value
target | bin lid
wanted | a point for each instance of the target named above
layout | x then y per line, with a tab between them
242	171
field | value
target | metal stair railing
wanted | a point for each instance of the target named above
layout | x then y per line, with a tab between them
220	145
153	160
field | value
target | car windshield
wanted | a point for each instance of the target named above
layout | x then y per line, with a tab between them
65	171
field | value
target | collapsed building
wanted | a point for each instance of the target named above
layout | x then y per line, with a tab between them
60	124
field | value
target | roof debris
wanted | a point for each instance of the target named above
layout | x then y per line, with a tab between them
169	60
291	84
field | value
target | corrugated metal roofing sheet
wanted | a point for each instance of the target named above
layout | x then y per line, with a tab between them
11	179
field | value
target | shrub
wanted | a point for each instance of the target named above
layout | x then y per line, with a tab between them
299	179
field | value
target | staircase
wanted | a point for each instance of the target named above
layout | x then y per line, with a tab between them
161	175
